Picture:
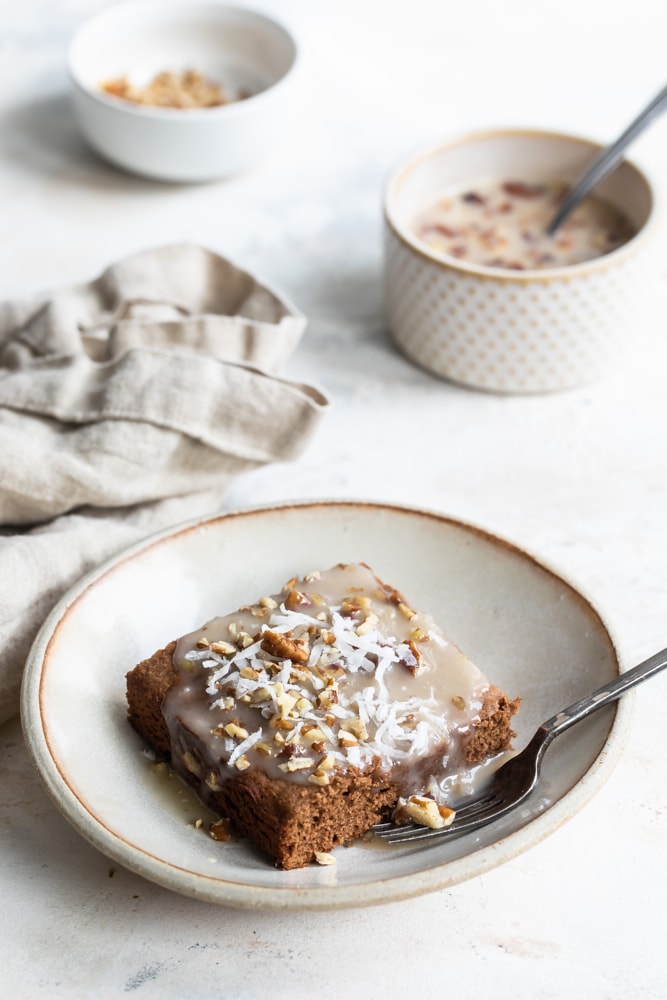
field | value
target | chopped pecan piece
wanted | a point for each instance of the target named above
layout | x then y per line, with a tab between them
296	599
277	644
519	189
413	658
225	648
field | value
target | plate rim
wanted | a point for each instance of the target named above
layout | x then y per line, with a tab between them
270	898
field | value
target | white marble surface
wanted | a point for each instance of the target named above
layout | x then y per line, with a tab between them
579	478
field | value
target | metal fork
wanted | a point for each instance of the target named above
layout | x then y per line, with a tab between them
515	780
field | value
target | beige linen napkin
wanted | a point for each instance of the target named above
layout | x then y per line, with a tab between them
126	405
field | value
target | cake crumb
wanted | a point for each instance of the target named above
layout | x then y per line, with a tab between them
220	830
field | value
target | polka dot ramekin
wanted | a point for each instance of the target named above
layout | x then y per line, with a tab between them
514	331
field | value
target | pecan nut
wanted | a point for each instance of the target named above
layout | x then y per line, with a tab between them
277	644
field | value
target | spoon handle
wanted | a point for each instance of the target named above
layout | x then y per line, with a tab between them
607	159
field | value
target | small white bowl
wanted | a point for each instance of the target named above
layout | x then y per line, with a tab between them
243	50
513	331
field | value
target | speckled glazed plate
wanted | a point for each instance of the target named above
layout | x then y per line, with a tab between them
527	628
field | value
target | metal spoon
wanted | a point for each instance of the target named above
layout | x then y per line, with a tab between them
607	159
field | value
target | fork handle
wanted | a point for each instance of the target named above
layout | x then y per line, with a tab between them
605	695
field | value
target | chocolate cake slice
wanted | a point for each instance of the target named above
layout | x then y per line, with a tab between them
311	715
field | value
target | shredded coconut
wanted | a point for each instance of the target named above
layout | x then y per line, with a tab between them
318	678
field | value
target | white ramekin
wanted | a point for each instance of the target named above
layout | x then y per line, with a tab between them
239	47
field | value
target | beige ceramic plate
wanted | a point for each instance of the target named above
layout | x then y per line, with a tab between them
528	629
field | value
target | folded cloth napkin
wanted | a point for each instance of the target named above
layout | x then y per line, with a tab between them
126	405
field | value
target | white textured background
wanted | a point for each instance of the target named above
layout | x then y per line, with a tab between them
579	478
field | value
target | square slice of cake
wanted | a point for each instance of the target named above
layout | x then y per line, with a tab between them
311	715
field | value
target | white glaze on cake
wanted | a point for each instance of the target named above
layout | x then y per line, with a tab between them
333	672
